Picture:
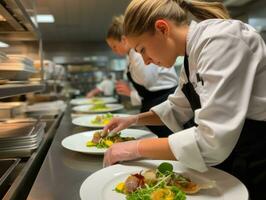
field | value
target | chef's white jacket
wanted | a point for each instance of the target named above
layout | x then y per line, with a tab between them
230	58
152	77
107	87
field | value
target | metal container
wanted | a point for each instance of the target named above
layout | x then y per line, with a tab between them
21	139
16	72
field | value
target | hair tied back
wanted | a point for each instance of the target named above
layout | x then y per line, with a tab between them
184	4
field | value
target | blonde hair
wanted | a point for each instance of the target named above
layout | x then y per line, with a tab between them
115	30
141	15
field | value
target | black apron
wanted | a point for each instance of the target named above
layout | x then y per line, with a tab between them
150	99
248	159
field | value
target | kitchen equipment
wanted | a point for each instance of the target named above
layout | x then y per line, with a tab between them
6	168
11	109
16	71
20	139
17	68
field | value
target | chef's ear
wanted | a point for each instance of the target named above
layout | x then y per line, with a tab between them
124	39
161	26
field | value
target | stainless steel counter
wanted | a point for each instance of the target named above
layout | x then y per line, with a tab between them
63	171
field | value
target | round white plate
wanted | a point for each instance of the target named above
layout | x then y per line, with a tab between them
86	108
84	101
77	142
101	184
86	120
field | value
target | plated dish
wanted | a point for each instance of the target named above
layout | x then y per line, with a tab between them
98	108
96	120
104	142
103	183
78	142
84	101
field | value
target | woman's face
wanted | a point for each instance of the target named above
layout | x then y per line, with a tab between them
160	48
118	47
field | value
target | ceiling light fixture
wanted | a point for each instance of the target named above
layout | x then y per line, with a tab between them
3	45
45	18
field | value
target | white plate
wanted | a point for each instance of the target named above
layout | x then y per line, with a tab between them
86	108
86	120
77	142
83	101
101	184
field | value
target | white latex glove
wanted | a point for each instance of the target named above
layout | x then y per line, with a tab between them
121	152
119	123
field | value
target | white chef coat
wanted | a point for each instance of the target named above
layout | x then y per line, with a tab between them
107	87
230	57
135	98
152	77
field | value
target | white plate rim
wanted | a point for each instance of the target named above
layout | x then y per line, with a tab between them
94	150
84	108
133	167
78	120
78	101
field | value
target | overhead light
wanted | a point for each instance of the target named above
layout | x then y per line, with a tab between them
3	45
45	18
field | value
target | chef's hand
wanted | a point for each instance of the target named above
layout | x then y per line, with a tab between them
119	123
89	95
122	88
121	152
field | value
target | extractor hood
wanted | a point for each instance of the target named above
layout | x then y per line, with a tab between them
15	22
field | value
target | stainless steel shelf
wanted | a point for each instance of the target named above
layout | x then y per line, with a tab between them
9	90
24	180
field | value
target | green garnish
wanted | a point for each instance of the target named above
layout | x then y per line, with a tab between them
165	168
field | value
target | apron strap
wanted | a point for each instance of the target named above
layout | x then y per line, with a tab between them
191	95
186	67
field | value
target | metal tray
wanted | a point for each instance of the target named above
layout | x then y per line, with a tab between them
25	144
22	131
23	147
18	153
16	71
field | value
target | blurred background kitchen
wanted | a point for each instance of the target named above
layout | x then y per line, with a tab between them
52	51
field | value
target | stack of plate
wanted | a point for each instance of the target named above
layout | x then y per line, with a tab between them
16	68
20	139
45	108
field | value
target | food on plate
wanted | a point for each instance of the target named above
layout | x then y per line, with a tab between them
96	101
157	184
99	107
106	141
102	119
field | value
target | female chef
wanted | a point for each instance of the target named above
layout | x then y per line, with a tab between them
152	84
221	90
